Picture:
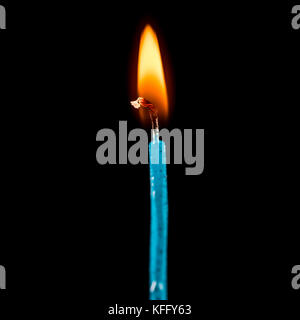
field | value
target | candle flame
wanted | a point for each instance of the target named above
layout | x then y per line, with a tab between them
151	78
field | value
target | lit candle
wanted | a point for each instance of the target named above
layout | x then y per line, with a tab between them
153	97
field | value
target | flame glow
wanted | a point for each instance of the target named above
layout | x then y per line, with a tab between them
151	78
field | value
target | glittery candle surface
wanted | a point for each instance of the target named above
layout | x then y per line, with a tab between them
159	221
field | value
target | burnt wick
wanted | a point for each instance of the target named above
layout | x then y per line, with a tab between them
142	102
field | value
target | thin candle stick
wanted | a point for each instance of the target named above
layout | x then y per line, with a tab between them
159	208
159	220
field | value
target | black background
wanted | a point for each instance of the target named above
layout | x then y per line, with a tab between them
68	72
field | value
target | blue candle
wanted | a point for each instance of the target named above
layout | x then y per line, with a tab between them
159	219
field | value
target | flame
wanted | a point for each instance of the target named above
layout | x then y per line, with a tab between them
151	78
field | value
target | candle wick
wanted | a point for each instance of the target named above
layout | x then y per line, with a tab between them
142	102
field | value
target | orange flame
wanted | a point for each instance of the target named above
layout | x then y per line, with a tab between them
151	78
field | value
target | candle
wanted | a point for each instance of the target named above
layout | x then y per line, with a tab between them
153	97
159	207
159	220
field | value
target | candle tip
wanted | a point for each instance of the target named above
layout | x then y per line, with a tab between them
142	102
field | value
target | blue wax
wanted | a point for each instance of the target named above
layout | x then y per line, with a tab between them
159	221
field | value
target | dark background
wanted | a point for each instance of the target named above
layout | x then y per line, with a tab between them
67	73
